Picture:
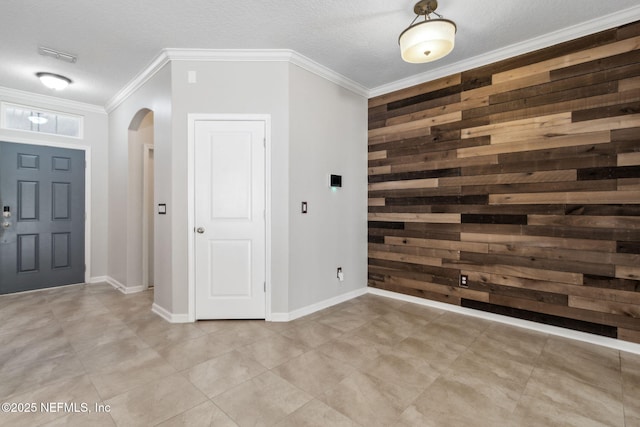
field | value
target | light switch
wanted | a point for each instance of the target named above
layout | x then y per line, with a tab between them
162	209
192	77
303	208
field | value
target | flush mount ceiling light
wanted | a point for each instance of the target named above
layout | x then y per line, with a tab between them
53	81
37	119
427	40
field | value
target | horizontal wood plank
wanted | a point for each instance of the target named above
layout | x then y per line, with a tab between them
539	241
587	221
438	244
434	218
628	272
587	197
629	184
400	185
509	178
617	308
569	60
545	143
411	259
377	155
629	159
442	83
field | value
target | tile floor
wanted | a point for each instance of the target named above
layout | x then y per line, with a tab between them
370	361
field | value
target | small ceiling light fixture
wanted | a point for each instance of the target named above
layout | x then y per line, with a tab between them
427	40
53	81
37	119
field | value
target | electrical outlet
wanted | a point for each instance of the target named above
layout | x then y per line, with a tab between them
340	274
464	281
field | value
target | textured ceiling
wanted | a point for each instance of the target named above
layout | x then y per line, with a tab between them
117	39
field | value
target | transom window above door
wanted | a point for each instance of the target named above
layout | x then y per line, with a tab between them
24	118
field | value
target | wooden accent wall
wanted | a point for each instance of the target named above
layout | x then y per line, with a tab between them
523	175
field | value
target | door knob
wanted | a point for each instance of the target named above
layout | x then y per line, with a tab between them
6	224
200	230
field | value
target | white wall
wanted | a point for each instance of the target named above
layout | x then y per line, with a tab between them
318	128
154	95
226	88
95	137
328	134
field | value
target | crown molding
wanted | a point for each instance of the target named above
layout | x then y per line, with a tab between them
328	74
35	99
138	81
230	55
233	55
267	55
570	33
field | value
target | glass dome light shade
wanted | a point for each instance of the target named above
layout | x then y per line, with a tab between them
38	120
54	81
427	41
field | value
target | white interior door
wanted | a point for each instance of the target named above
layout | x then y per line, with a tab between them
230	235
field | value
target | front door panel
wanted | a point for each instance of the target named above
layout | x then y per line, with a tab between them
42	225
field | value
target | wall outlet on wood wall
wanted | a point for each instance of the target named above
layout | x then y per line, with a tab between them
464	281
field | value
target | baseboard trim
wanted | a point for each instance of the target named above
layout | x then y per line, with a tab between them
526	324
278	317
134	289
121	287
310	309
113	282
97	279
168	316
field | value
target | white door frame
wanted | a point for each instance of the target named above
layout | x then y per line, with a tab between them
87	191
146	210
191	121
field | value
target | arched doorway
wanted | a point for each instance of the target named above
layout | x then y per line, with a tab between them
141	235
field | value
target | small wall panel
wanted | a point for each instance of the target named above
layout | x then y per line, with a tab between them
28	161
61	164
28	200
60	250
61	201
28	253
523	175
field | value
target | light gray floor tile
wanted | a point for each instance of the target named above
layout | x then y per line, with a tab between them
204	415
368	361
314	372
217	375
316	414
155	402
263	400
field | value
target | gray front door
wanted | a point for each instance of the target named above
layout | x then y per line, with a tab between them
42	217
